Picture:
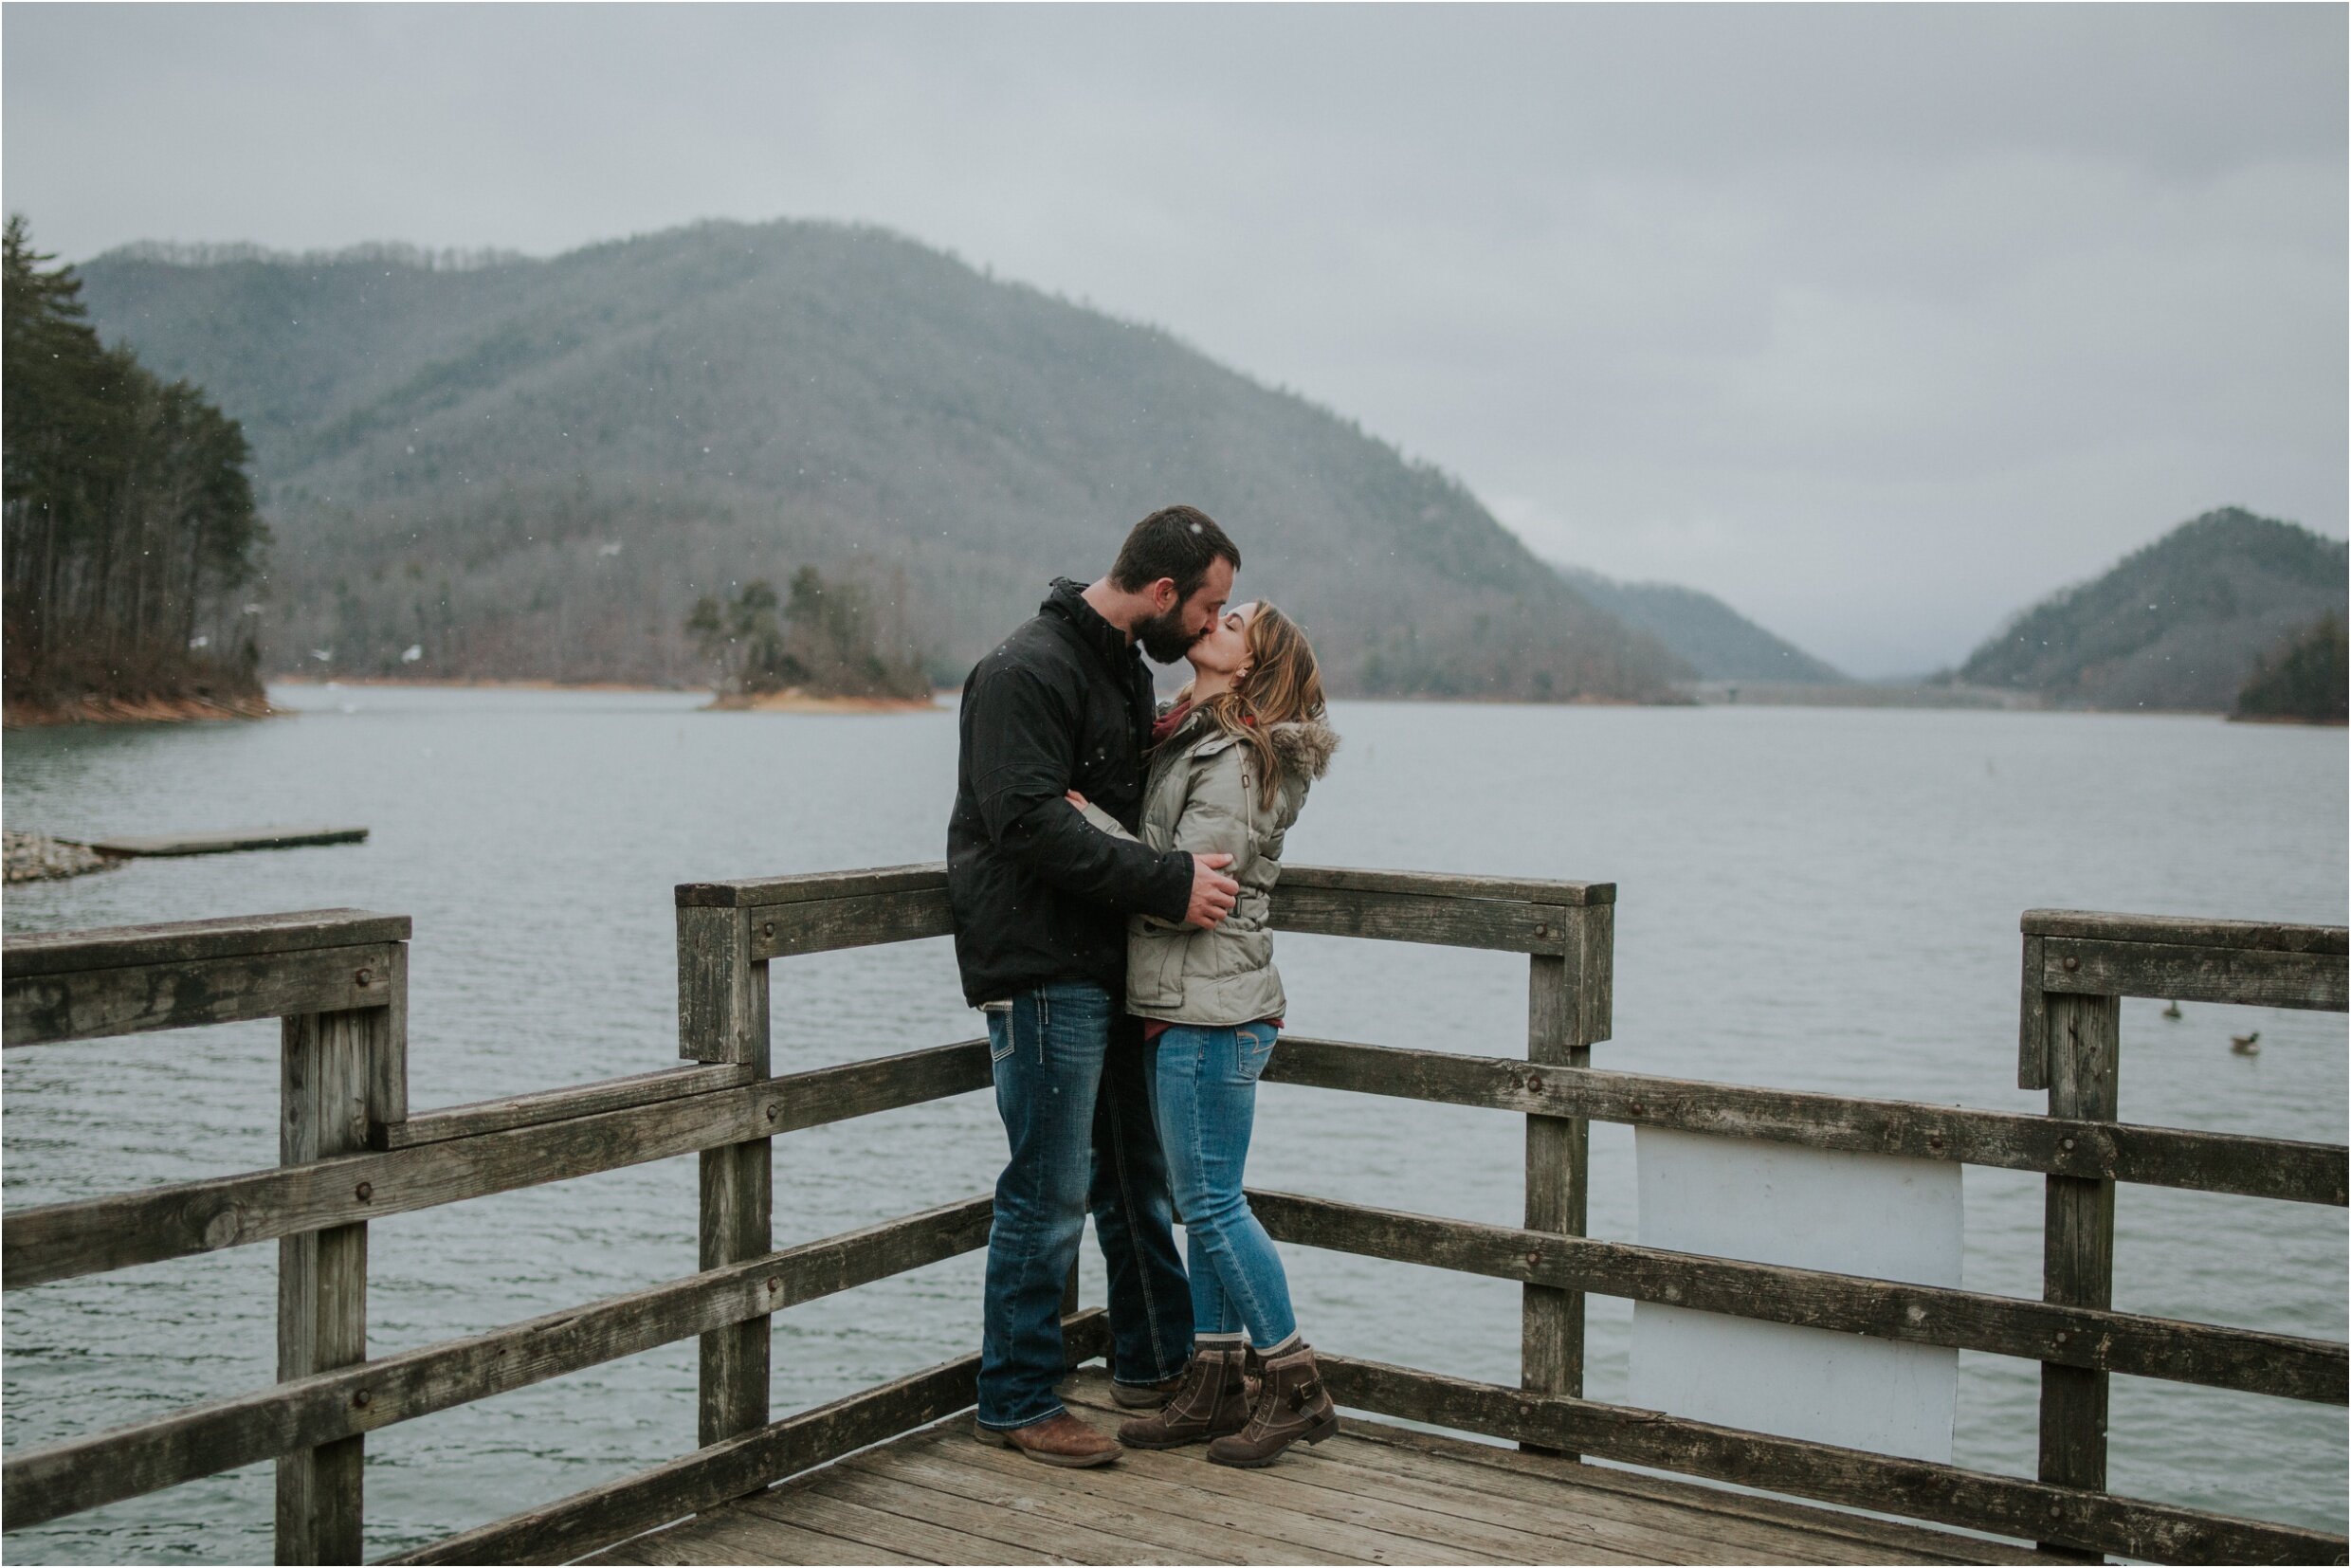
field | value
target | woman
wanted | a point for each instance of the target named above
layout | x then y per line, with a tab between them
1230	765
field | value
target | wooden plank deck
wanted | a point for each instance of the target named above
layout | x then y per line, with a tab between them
1375	1494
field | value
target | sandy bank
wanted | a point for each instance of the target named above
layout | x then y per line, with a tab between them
453	682
136	710
799	702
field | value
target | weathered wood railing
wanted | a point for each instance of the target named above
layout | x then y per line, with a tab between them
339	979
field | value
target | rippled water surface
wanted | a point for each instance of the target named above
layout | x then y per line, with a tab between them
1813	899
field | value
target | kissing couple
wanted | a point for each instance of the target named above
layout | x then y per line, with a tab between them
1110	866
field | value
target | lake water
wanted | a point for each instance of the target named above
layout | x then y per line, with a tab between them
1813	899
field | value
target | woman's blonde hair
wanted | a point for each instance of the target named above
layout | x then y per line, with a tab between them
1281	684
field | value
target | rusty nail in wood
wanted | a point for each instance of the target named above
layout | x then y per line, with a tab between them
1542	931
772	1110
1934	1142
768	930
366	1191
1634	1108
364	975
2072	965
775	1284
363	1398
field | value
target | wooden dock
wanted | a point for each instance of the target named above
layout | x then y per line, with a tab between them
220	841
1378	1493
888	1475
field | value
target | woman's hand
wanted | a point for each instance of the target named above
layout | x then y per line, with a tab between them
1074	798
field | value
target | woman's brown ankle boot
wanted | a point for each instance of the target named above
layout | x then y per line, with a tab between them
1292	1404
1209	1403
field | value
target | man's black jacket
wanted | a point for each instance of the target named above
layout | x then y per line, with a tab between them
1063	703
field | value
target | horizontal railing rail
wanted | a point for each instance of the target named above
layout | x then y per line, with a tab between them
2074	1518
65	1478
339	979
721	1471
63	1240
2158	1157
88	985
2243	1358
2252	963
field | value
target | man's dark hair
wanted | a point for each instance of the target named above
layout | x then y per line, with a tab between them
1181	543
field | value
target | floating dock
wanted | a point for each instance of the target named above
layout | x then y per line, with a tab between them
221	842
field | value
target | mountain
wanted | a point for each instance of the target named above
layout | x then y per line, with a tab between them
2178	625
2305	679
516	467
1709	635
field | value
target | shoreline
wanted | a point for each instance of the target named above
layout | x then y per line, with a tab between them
476	683
798	702
136	710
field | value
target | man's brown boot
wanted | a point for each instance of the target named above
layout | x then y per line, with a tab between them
1209	1403
1061	1439
1292	1404
1145	1396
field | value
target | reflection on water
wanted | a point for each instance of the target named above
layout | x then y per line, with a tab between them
1812	899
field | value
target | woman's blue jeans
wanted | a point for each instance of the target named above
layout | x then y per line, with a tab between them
1205	1101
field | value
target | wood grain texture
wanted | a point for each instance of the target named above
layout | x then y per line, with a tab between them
2163	1157
1693	1506
91	1004
2187	931
2032	1022
1492	924
188	941
761	892
2248	976
721	993
2064	1335
825	925
535	1109
2077	1237
723	1016
64	1240
603	1514
1350	879
68	1477
323	1111
1568	1007
1944	1494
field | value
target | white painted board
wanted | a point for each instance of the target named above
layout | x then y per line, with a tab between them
1849	1213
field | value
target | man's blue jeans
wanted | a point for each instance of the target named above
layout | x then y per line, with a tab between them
1077	1112
1205	1097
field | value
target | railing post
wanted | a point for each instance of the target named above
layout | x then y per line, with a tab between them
2082	1037
339	1072
1568	1007
723	1016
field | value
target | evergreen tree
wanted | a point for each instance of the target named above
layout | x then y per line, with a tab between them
128	511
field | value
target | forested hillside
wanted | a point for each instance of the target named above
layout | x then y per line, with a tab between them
1714	639
128	518
537	468
2178	625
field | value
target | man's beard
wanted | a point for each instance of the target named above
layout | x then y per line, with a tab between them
1164	638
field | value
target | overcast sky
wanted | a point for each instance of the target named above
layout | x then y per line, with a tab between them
1878	322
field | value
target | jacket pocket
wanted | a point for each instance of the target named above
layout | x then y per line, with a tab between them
1155	967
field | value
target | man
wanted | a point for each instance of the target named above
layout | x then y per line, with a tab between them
1041	901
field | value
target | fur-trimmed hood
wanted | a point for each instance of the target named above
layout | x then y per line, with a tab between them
1304	746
